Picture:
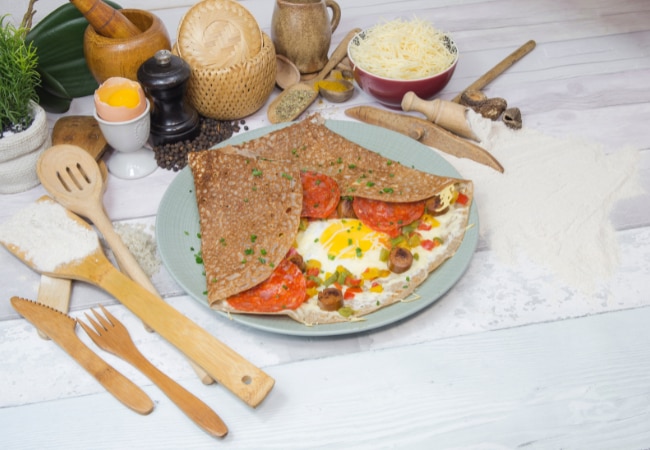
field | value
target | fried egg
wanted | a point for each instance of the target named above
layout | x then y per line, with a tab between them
336	242
348	243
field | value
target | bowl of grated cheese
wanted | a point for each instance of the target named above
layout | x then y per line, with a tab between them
398	56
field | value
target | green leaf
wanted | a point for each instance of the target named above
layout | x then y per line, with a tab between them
52	103
58	39
52	96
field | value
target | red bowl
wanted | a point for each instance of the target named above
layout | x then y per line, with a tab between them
389	91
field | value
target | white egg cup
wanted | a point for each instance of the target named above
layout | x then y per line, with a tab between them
130	159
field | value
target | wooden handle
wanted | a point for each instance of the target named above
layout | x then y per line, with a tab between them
450	116
337	55
130	266
113	381
55	293
497	70
187	402
226	366
106	20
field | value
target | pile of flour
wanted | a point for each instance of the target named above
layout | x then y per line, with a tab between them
551	206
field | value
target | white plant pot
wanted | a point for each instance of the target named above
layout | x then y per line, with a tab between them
19	153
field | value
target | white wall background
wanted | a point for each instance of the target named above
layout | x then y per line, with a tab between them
17	8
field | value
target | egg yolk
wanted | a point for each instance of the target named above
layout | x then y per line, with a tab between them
124	97
343	238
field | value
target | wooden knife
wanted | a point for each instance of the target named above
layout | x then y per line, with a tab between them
61	329
425	132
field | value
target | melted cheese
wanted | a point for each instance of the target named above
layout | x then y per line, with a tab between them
403	50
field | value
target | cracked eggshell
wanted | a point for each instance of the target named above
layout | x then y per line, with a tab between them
119	100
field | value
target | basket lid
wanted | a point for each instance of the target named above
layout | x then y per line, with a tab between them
218	33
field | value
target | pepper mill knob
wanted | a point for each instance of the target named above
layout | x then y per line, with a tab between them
164	78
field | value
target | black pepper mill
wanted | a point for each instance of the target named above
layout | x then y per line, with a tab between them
164	78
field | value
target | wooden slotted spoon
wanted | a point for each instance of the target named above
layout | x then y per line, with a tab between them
74	179
222	363
84	132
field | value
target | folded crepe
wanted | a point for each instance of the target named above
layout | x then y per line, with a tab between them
249	211
250	196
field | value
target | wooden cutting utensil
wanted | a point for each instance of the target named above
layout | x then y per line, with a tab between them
294	100
223	364
61	329
84	132
111	335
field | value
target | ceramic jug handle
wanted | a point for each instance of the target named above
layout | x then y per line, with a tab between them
336	13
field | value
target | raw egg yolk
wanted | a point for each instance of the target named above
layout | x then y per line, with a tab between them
343	238
124	97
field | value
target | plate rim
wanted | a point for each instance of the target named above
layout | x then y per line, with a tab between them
278	324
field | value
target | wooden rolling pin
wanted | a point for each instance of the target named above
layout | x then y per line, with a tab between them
449	115
106	20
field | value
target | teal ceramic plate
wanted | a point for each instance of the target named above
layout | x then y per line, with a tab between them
177	230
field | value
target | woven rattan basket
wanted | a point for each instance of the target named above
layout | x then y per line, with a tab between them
233	92
218	33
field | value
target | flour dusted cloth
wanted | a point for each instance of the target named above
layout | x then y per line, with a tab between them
551	206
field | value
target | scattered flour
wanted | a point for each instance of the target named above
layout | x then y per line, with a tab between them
47	236
552	204
141	244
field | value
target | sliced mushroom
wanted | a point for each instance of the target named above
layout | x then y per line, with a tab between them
345	209
490	108
434	206
472	97
400	260
330	299
298	260
512	118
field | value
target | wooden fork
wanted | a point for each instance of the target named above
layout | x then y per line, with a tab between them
111	335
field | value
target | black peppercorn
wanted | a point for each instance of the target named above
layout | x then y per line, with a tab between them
173	156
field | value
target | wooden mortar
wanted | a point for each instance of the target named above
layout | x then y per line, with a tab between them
122	57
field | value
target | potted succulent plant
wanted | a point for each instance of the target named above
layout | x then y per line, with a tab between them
24	133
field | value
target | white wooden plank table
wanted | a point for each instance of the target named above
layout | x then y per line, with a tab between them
508	358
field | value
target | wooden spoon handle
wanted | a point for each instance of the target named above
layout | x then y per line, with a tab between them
130	266
497	70
223	364
337	55
187	402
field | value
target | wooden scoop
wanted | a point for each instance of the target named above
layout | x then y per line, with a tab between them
294	100
233	371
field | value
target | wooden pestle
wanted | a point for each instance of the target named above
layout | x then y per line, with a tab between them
449	115
106	20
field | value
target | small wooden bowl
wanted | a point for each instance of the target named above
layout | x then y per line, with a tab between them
337	96
287	73
109	57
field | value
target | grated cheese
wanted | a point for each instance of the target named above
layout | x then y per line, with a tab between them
404	50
